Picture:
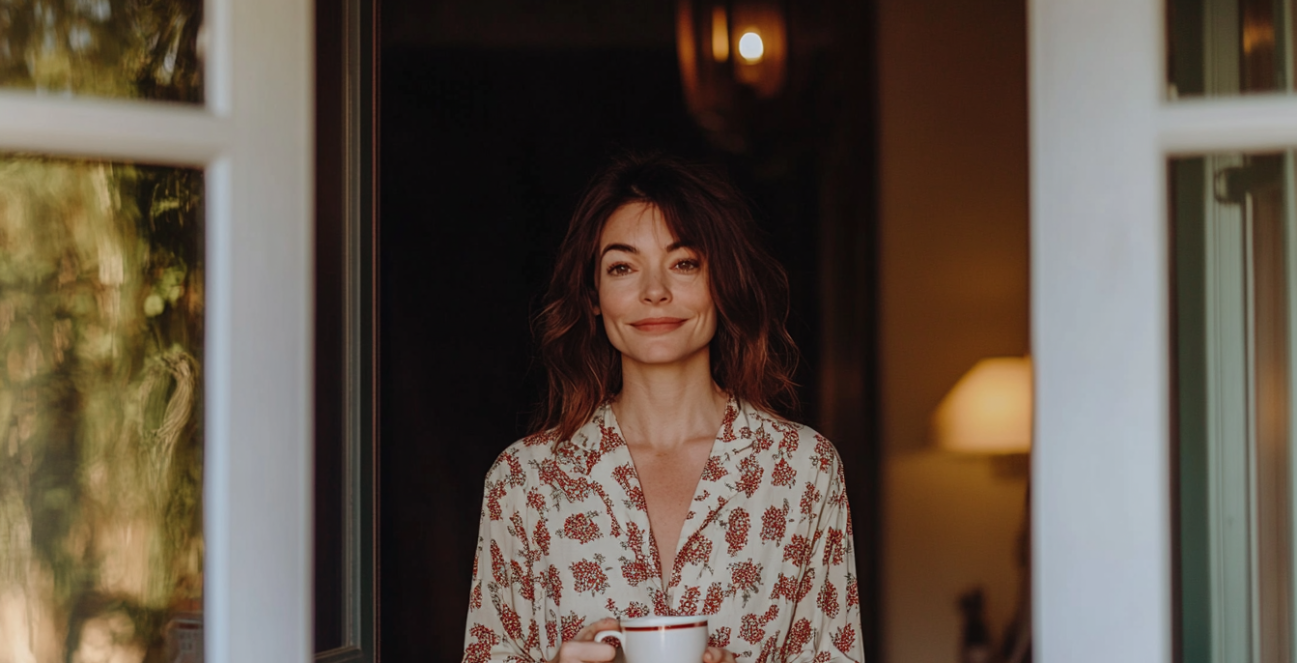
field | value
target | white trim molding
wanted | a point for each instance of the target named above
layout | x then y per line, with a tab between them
1099	314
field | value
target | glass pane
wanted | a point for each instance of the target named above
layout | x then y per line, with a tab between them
1229	47
101	422
1233	227
142	49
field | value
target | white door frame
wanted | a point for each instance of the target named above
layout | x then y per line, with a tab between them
1101	133
254	139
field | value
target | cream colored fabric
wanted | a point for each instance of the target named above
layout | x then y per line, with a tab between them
765	553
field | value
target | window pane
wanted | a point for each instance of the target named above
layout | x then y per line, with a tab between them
105	48
101	435
1229	47
1233	225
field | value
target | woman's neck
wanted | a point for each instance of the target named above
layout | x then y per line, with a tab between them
663	406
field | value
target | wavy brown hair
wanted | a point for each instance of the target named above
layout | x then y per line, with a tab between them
752	355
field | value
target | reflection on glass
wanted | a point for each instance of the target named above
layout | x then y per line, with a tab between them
1229	47
101	453
144	49
1233	226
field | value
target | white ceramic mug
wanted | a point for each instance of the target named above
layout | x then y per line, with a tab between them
660	639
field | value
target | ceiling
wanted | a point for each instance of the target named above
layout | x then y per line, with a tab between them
530	24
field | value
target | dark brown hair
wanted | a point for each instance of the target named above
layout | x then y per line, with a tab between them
752	355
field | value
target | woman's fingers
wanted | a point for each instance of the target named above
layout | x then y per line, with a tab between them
717	655
583	648
587	634
585	652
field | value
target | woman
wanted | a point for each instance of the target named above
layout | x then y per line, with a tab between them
664	324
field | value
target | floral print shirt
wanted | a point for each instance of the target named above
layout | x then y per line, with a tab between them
765	553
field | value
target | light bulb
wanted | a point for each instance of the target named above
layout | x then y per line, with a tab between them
751	48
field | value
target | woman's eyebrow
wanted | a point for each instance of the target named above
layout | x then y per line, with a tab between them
627	248
618	247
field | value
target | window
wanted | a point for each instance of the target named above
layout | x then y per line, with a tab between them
234	157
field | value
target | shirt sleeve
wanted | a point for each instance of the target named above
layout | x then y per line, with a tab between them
825	627
501	624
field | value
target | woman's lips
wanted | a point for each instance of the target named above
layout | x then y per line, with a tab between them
658	324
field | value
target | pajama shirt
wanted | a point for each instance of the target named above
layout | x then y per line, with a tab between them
765	553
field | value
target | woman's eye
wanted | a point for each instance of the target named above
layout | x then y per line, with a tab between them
619	269
687	265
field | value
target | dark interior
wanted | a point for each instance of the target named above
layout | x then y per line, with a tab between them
493	116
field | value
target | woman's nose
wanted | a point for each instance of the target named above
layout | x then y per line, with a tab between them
656	290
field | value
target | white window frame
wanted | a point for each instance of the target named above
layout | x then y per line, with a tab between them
253	138
1101	134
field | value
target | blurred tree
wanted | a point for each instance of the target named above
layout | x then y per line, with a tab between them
101	342
147	49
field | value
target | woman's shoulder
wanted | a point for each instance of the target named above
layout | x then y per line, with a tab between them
534	447
795	442
532	451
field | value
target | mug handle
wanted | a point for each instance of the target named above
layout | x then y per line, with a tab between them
616	635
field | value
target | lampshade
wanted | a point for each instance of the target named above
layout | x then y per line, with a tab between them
989	409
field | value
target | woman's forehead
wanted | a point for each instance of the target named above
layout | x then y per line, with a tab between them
637	224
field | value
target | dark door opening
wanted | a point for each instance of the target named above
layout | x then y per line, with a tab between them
494	114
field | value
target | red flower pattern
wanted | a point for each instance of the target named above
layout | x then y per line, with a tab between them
784	474
798	551
809	498
589	577
535	500
750	479
745	576
754	626
736	534
544	544
828	600
714	469
798	636
719	638
571	625
689	602
845	638
552	581
541	536
774	523
715	595
835	547
581	527
480	651
789	442
697	551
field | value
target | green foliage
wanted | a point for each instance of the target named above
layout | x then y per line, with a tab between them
101	337
147	49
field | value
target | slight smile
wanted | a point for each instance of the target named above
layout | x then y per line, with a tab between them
652	325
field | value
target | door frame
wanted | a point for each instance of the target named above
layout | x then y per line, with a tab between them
1102	131
253	137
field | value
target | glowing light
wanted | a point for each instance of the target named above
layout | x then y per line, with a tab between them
720	35
751	48
989	409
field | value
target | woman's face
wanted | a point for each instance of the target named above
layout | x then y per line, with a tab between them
654	296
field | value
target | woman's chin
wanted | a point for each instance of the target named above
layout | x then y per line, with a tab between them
662	357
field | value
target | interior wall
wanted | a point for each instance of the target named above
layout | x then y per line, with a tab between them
954	288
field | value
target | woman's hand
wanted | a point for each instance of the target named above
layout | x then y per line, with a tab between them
717	655
583	648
